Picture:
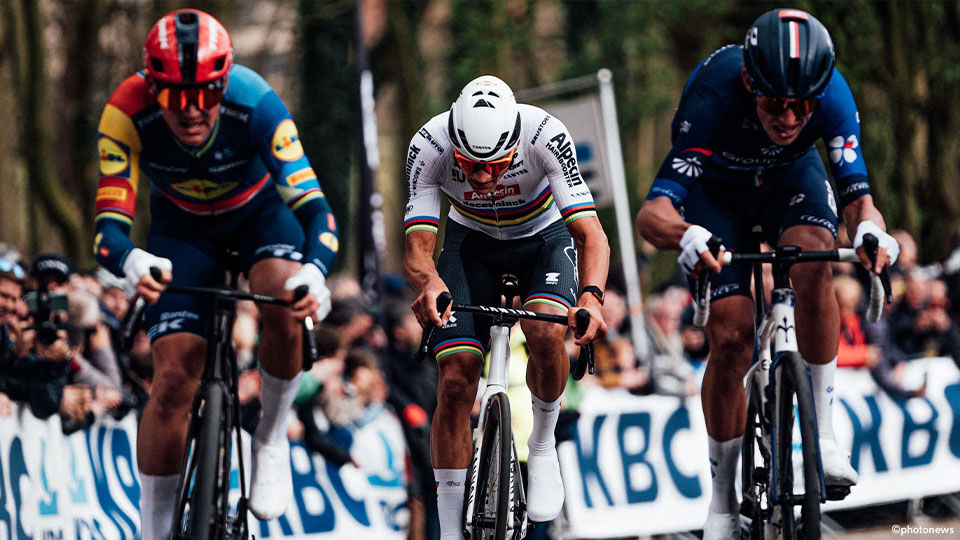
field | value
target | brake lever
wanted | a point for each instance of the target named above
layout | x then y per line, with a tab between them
443	301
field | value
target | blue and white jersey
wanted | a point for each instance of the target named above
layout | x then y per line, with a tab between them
717	137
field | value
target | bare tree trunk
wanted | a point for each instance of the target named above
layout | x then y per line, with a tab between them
57	207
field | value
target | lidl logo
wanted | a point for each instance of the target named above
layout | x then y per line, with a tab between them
330	240
113	159
286	142
203	189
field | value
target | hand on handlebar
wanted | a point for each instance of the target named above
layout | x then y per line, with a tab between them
597	328
695	252
887	247
425	306
316	302
138	276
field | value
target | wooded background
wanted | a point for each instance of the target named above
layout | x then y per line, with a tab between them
61	59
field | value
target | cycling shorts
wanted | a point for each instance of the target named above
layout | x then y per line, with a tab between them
471	264
798	194
263	228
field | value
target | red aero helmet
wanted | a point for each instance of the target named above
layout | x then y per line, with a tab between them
187	46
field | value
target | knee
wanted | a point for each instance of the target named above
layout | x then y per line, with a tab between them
731	342
459	375
544	339
279	321
172	390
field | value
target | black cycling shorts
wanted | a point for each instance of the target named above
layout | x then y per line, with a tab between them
798	194
471	264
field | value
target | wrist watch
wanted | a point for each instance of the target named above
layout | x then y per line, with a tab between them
594	290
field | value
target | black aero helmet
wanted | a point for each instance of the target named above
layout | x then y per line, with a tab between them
788	54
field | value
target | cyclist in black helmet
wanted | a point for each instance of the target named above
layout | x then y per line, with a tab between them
743	154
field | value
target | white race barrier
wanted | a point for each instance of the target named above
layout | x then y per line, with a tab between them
638	465
85	486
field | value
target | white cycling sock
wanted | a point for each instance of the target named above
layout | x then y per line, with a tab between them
723	469
545	414
158	497
450	489
821	382
276	399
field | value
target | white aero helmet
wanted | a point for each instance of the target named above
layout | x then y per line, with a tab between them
484	121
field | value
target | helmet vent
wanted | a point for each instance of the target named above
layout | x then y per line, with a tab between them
156	64
483	103
793	74
219	63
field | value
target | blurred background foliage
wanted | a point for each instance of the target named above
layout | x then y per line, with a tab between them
60	59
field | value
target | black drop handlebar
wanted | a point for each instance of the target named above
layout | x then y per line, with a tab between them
134	315
582	319
786	256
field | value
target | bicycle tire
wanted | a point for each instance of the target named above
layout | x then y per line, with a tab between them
208	503
795	382
491	512
753	487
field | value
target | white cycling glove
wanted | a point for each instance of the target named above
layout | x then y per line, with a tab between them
693	243
311	276
138	264
885	241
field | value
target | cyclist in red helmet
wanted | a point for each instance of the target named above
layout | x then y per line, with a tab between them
227	172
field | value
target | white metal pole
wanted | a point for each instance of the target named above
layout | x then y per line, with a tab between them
621	205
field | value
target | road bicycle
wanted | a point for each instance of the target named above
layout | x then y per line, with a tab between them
203	510
778	394
495	505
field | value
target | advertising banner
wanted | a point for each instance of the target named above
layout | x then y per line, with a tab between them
638	465
85	486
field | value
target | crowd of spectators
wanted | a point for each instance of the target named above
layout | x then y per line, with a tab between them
60	353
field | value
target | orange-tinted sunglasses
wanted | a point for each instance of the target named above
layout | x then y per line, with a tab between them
494	168
777	106
178	97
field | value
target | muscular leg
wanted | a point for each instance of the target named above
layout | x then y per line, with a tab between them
818	331
280	359
547	370
730	332
450	446
818	334
178	364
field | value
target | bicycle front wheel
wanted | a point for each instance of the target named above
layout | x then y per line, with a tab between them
491	514
208	498
754	469
794	384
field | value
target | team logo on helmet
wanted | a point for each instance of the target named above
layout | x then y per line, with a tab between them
842	150
286	142
113	158
689	166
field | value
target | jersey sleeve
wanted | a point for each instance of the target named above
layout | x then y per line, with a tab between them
693	141
558	153
841	134
423	169
119	148
276	137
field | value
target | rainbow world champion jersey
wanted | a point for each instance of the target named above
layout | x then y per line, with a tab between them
253	146
542	185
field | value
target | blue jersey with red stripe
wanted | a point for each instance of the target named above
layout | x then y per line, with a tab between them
717	137
253	146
